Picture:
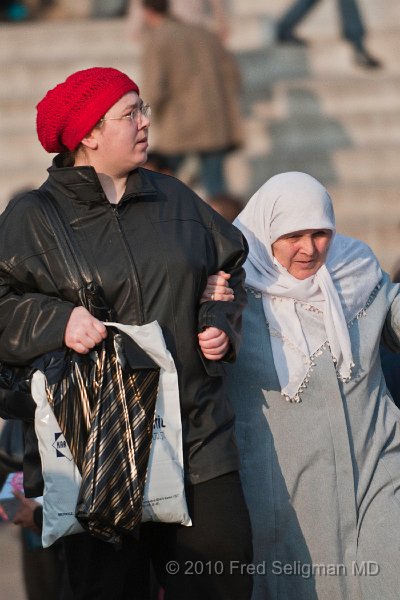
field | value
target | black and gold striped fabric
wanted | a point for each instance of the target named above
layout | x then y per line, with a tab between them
105	404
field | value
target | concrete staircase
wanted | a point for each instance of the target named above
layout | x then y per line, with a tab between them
314	110
304	109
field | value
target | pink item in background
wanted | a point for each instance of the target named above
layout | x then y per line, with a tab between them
8	502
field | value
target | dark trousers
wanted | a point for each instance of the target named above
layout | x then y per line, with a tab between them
43	570
212	559
98	571
208	561
353	28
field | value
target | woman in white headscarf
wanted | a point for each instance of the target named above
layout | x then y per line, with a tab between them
318	432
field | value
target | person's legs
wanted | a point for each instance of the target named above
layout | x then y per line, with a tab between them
99	571
292	17
212	172
174	161
353	28
209	560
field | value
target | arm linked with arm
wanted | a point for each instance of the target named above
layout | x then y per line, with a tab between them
231	252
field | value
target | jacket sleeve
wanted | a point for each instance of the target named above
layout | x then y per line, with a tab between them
231	252
31	324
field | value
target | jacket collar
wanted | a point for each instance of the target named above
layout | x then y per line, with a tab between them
82	183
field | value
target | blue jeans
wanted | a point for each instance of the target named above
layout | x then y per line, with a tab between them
353	28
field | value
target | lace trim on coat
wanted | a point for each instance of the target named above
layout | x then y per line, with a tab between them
325	346
363	311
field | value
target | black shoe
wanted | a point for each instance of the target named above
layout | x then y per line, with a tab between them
364	59
287	37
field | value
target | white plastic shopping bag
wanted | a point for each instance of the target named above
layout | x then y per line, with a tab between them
61	476
164	494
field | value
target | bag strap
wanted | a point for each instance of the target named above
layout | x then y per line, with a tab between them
89	292
71	252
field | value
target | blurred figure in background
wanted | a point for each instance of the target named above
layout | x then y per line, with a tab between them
391	360
44	569
210	14
193	84
103	9
156	162
353	29
13	11
16	11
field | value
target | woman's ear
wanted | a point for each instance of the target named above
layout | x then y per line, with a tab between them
90	141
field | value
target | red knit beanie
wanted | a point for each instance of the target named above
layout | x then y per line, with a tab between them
70	110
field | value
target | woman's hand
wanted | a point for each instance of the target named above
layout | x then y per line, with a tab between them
83	331
24	514
217	288
214	343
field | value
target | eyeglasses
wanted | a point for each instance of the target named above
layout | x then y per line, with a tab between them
143	110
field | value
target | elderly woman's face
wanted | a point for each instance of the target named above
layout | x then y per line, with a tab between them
302	253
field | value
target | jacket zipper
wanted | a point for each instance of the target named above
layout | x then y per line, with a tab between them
134	271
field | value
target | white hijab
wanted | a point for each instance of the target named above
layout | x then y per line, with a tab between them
340	289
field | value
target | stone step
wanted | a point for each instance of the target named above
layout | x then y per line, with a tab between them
323	21
104	37
29	42
365	205
24	56
61	10
337	58
308	109
22	80
331	96
370	213
288	131
319	131
384	242
378	165
342	98
69	40
324	15
264	66
315	141
248	20
246	173
29	77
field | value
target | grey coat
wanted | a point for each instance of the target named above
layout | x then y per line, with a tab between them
322	477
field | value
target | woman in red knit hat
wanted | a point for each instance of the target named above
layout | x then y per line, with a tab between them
151	243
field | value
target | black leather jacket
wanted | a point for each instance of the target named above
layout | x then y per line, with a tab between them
151	254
